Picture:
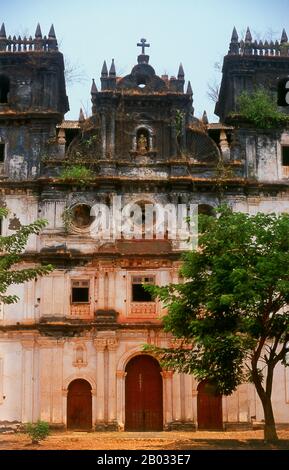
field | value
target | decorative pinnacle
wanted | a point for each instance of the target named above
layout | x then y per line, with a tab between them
112	72
81	117
93	90
143	45
2	31
248	37
104	72
38	33
284	37
205	119
189	89
51	33
181	73
234	37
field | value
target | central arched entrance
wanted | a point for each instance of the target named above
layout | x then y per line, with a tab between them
143	395
209	407
79	405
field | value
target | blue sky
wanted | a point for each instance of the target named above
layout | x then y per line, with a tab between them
194	32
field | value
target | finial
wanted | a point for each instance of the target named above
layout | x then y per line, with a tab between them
104	72
51	33
181	73
2	31
205	119
248	37
143	44
234	37
81	117
93	90
38	33
284	37
189	89
112	72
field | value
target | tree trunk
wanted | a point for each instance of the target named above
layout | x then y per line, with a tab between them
270	433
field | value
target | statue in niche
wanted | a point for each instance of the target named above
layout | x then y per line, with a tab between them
142	144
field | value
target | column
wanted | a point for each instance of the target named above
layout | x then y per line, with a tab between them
46	369
27	380
111	294
194	390
111	345
57	355
106	289
120	404
167	384
188	398
103	134
177	412
100	345
112	134
100	297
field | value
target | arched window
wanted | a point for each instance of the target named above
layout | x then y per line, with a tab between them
205	209
283	92
4	89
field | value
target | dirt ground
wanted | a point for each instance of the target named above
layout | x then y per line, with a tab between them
238	440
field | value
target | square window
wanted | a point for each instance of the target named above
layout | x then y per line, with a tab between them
285	156
80	292
139	294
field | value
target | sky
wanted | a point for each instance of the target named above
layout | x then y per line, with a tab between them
194	32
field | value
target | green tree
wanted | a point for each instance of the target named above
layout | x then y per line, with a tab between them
231	312
260	108
11	248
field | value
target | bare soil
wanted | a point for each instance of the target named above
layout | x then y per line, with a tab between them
201	440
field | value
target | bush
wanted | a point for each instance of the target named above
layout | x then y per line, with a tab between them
77	172
37	431
260	108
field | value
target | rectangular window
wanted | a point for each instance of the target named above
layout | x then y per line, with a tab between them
139	294
285	156
2	152
80	292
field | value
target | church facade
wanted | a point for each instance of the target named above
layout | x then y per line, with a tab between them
71	349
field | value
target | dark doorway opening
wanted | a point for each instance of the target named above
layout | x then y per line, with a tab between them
79	405
209	405
143	395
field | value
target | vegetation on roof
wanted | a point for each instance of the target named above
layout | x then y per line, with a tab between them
260	108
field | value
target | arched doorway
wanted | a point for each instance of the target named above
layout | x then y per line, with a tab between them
143	395
209	407
79	405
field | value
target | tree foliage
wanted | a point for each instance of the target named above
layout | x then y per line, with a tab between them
11	248
260	108
230	313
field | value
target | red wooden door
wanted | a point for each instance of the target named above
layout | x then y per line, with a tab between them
209	407
79	405
143	395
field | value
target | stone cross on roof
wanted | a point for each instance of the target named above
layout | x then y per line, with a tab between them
143	44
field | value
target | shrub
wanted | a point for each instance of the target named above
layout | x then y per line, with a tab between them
260	108
37	431
76	172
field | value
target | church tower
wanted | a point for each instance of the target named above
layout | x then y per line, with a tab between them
252	64
32	100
